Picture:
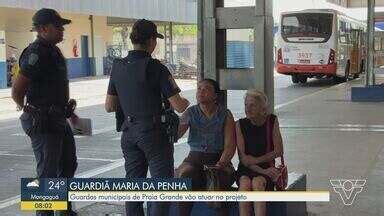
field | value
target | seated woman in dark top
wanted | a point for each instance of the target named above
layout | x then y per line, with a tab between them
211	140
254	171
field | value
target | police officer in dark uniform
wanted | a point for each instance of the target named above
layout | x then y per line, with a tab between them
43	81
144	88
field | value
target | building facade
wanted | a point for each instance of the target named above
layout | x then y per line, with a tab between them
86	39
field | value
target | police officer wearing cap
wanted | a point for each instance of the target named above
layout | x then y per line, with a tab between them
138	83
43	82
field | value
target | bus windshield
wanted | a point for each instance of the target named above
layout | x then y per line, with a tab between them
314	25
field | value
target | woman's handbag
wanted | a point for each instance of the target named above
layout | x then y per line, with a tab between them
282	181
213	184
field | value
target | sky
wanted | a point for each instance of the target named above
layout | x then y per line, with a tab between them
292	5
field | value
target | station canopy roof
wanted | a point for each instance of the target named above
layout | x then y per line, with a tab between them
379	16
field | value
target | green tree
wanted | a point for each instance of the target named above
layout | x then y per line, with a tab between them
185	30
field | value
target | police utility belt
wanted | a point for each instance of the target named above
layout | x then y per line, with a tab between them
156	119
169	121
49	118
51	110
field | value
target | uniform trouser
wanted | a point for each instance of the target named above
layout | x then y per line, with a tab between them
146	145
55	153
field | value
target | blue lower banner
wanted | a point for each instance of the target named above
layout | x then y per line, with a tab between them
129	184
52	193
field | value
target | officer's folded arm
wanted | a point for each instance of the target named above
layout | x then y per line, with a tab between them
178	103
19	89
111	103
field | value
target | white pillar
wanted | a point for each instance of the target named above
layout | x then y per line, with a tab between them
264	68
369	76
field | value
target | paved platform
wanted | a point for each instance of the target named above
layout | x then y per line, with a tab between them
329	137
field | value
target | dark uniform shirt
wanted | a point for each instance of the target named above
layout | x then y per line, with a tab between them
45	66
168	85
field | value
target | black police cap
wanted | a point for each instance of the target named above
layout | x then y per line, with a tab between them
47	16
145	29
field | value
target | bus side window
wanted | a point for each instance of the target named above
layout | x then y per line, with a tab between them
342	26
382	43
344	32
377	44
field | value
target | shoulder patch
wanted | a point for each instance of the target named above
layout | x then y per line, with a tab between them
33	58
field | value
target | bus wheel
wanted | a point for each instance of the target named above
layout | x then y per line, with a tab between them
303	79
338	79
295	78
